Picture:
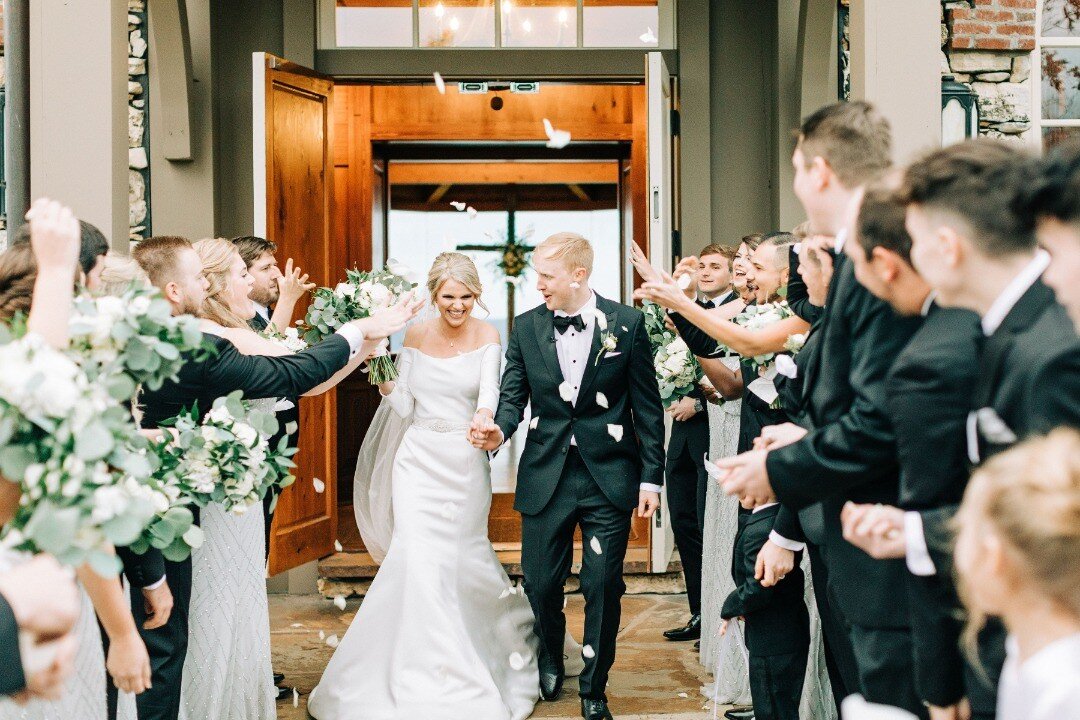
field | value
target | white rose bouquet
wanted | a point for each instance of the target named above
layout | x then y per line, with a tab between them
290	339
677	370
756	317
358	297
131	340
82	466
227	457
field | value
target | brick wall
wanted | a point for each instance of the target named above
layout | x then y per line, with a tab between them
991	24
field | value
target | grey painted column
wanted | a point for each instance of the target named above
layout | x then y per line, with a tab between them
17	111
78	109
695	139
896	64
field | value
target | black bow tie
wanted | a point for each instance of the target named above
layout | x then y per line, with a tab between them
708	304
562	322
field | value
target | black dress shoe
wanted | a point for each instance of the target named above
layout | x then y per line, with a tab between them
284	693
552	674
691	631
595	709
279	678
741	713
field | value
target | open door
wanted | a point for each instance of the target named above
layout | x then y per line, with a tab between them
659	181
293	169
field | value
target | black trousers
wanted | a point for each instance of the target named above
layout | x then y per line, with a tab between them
776	684
268	517
686	487
886	669
547	551
167	646
836	641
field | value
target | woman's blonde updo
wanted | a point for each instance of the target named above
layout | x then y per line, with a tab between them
120	274
455	266
217	255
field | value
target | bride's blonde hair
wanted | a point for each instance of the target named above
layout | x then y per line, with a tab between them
120	274
455	266
217	255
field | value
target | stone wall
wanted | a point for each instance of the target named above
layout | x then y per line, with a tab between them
138	126
988	44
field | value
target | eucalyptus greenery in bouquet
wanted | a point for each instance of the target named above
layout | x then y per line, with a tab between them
227	458
757	317
358	297
677	370
83	467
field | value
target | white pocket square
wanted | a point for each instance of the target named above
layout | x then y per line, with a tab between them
993	428
615	353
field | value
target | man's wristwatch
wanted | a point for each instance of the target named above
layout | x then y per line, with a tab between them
698	407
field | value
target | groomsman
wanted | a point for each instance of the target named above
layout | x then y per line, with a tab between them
1055	203
846	449
687	447
976	246
928	396
174	267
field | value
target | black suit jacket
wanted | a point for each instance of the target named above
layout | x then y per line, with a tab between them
798	297
777	622
12	679
225	371
627	379
929	393
850	451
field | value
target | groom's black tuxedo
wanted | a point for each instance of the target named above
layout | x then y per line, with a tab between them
225	371
593	484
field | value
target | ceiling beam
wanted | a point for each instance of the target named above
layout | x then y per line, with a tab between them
504	173
440	193
579	193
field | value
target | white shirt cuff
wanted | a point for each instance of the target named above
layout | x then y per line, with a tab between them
354	336
781	541
918	557
649	487
156	585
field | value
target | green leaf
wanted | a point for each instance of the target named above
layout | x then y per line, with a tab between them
120	387
14	459
94	442
104	564
52	529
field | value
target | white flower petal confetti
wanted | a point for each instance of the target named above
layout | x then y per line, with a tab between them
601	400
339	602
534	422
295	625
587	652
683	281
648	37
595	545
615	431
322	635
516	661
459	206
337	546
472	212
566	391
439	84
625	329
295	698
320	486
507	592
683	695
557	139
332	641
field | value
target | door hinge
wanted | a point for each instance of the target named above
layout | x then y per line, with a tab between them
675	122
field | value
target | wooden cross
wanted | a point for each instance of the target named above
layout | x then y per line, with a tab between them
510	246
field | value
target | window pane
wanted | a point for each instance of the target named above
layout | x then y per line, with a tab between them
457	23
621	23
373	23
1060	83
1056	135
539	23
1061	18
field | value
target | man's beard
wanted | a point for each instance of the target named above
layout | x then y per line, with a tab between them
188	307
265	299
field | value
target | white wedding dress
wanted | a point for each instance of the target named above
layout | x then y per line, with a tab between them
227	673
439	634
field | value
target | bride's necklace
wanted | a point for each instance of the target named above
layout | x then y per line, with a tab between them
449	341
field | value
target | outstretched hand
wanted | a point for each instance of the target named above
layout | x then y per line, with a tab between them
664	292
387	321
293	284
54	236
641	263
688	268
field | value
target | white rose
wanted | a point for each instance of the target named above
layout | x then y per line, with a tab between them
678	345
109	501
220	414
140	305
380	295
345	290
245	433
674	364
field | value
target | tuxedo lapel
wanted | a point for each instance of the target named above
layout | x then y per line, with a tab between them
1026	311
593	366
544	328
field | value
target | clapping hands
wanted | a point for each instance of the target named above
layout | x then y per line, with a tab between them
878	530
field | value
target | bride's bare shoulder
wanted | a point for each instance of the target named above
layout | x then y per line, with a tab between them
487	333
415	334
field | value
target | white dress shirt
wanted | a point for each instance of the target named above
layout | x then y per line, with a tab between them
1043	687
573	348
262	311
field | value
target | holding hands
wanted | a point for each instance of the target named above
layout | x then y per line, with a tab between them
484	434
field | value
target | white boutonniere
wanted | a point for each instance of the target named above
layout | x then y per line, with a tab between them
608	342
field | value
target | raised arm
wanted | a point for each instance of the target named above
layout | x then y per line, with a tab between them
292	286
54	240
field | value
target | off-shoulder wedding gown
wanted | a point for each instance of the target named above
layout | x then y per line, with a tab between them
438	635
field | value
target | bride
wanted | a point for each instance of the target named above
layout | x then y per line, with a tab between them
442	632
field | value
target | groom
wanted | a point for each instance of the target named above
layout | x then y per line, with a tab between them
594	452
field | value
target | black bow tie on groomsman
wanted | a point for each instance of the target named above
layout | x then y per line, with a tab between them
707	304
562	322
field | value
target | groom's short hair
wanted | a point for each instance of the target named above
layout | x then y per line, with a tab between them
573	249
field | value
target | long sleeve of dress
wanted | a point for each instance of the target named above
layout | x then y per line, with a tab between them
490	371
401	398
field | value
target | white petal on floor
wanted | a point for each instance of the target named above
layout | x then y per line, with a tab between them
472	212
322	635
534	422
683	695
587	652
297	625
601	400
337	546
439	84
459	206
601	319
516	661
332	641
339	602
615	431
566	391
320	486
557	139
683	281
295	698
595	545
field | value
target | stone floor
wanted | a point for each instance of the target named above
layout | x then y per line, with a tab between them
652	678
